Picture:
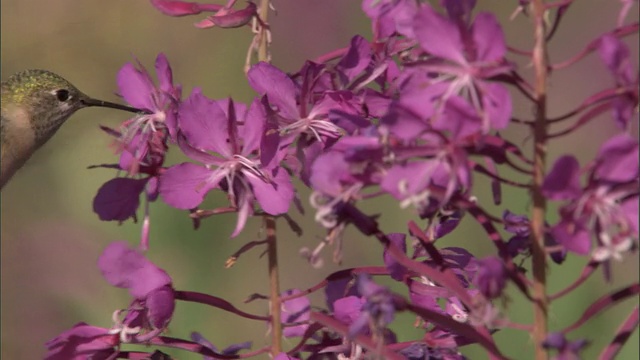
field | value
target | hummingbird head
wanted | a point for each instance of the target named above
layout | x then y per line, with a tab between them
49	100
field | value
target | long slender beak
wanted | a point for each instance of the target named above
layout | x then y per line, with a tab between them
94	102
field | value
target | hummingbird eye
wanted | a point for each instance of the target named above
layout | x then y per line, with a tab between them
62	94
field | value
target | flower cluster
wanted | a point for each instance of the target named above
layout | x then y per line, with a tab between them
414	115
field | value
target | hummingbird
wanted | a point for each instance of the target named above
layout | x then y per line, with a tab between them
35	104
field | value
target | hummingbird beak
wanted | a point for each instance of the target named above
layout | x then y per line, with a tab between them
101	103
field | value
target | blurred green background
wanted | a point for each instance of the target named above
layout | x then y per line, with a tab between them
51	238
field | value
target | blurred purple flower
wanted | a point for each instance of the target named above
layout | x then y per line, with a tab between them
567	350
378	310
608	199
491	277
149	285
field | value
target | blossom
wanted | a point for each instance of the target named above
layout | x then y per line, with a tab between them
149	285
608	200
145	135
463	57
213	126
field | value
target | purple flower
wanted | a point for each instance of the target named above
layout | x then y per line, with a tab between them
145	135
149	285
83	341
283	94
608	199
463	58
236	167
491	277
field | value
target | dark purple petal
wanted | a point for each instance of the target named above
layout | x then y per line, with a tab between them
136	87
266	79
337	289
118	199
357	58
488	38
618	159
125	267
160	304
563	181
185	185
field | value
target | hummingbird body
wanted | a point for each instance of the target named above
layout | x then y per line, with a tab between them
35	103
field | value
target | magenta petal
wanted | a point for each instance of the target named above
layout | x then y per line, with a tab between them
328	172
118	199
164	73
125	267
295	311
563	181
135	87
573	236
356	60
438	36
253	129
618	159
496	101
488	37
160	304
184	186
267	79
274	197
204	123
235	19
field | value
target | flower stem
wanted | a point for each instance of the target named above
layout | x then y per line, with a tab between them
274	285
539	265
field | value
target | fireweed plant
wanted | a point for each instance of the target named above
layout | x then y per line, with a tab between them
413	115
